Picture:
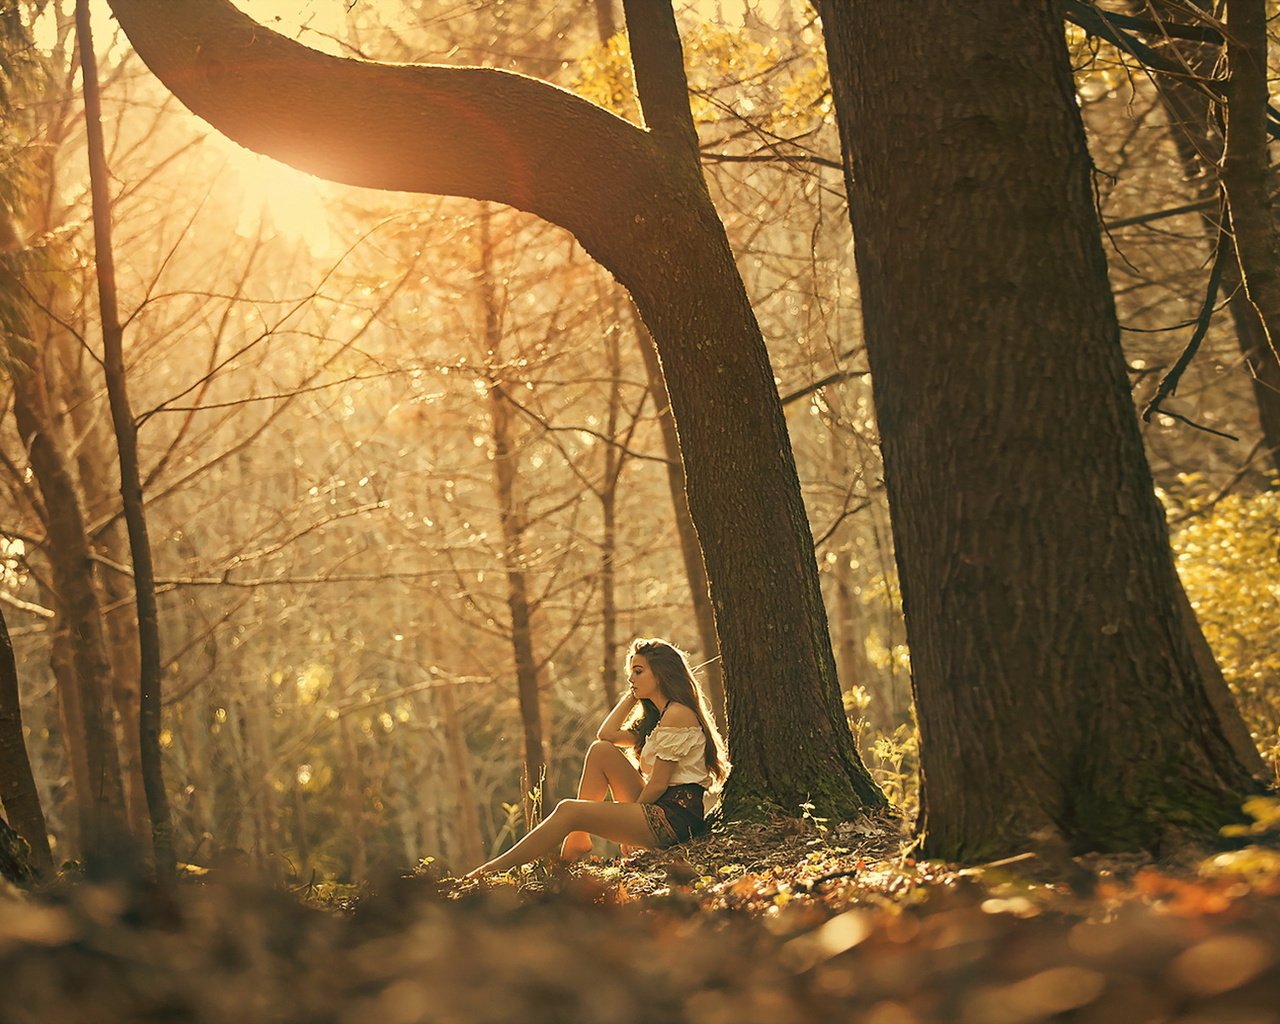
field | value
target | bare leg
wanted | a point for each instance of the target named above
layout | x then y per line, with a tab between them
606	769
622	823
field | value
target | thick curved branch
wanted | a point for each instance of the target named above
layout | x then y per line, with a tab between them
479	133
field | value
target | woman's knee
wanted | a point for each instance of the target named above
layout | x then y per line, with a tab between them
568	811
600	749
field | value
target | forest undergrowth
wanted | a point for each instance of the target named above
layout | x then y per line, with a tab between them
795	920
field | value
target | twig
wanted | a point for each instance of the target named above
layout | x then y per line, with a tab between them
26	606
1169	383
832	378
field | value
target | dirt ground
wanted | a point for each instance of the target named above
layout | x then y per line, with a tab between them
785	922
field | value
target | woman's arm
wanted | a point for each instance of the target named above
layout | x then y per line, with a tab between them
658	781
611	730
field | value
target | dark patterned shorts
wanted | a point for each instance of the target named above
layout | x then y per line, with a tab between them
676	815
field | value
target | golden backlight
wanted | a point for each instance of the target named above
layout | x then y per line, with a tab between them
276	198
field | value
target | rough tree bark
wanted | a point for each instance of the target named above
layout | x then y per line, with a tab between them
18	793
15	863
1055	686
637	202
126	431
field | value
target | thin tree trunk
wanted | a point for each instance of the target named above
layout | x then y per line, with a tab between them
100	803
353	788
202	809
511	513
149	722
467	821
72	720
1200	146
260	780
120	631
18	791
610	475
1245	162
301	845
1055	686
606	21
608	596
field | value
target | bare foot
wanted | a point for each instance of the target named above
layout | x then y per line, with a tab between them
576	851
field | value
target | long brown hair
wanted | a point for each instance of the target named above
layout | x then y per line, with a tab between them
676	681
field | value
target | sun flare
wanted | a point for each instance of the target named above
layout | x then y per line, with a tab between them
279	199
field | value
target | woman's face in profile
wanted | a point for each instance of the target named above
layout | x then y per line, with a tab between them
644	684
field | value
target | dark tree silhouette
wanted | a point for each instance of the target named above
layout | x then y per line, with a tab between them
1056	688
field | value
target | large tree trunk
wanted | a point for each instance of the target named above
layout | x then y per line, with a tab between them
637	201
18	791
1055	687
788	735
126	432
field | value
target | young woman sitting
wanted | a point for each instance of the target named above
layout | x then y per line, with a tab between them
664	717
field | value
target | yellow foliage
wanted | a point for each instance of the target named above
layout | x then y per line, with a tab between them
1099	67
730	73
1226	554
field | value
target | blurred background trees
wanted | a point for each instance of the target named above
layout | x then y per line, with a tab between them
367	421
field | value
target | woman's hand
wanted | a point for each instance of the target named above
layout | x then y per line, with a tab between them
611	730
657	782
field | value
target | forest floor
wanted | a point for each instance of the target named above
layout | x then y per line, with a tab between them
790	921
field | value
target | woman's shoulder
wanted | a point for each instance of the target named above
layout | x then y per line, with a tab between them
680	716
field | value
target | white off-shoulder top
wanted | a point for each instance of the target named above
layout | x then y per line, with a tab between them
685	745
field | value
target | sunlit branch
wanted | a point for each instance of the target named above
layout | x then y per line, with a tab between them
839	377
551	428
835	525
263	335
26	606
171	449
771	158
